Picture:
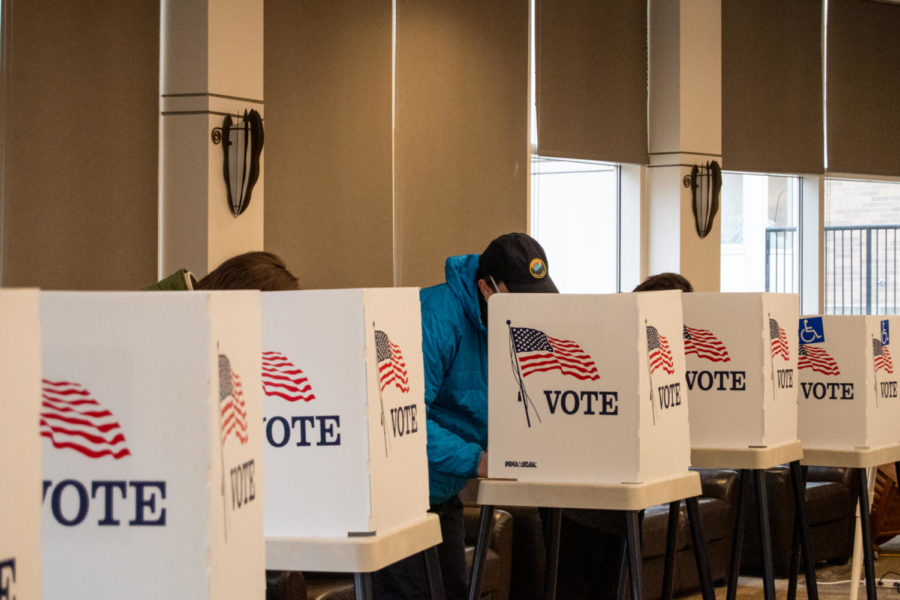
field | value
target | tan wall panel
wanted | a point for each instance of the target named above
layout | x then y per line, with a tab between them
592	79
863	87
462	117
80	142
328	140
772	86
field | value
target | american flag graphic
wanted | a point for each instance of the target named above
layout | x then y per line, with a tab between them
704	344
71	418
283	379
536	351
660	353
817	359
391	366
882	356
232	408
779	340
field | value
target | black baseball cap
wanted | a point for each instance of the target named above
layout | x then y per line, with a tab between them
517	260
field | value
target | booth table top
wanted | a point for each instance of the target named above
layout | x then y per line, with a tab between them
746	458
620	496
353	554
857	458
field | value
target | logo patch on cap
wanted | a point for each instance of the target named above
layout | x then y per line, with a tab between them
538	268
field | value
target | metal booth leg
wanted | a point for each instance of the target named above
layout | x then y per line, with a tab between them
633	545
864	522
363	586
801	534
738	533
794	566
433	571
699	541
668	588
481	548
765	534
552	567
623	568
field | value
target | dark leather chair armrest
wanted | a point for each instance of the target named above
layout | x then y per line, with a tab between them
500	541
721	484
285	585
835	474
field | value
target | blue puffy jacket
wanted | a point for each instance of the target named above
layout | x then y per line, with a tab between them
454	346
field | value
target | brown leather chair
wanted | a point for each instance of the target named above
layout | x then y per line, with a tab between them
831	499
590	545
495	584
285	585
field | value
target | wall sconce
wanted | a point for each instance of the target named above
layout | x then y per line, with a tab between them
706	185
242	144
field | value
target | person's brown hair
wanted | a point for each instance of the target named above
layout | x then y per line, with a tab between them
665	281
250	271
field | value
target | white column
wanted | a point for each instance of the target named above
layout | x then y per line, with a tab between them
685	130
211	65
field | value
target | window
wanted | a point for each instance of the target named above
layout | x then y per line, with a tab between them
574	215
861	223
760	240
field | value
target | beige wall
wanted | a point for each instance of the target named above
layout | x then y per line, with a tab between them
462	130
80	144
328	140
372	179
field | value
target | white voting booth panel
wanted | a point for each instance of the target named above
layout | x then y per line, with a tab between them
586	388
741	352
20	445
847	386
344	412
153	445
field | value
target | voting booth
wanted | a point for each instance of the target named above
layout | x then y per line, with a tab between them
587	388
741	353
344	412
848	384
20	445
152	445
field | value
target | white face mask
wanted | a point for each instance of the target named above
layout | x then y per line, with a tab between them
494	283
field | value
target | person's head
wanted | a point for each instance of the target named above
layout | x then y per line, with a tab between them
665	281
514	262
250	271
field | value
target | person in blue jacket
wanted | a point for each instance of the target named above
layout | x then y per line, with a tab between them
454	348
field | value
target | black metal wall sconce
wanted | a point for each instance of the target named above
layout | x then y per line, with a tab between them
705	182
242	144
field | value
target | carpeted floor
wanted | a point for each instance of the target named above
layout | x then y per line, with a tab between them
834	581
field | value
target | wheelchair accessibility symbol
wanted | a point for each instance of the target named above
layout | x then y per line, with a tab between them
885	336
812	331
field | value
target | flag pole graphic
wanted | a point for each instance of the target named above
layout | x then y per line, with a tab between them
772	360
650	373
222	448
523	396
875	373
381	400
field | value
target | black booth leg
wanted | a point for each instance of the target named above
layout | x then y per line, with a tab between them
795	560
668	588
633	544
363	585
623	568
864	524
738	533
481	548
801	530
699	541
765	535
552	567
433	571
